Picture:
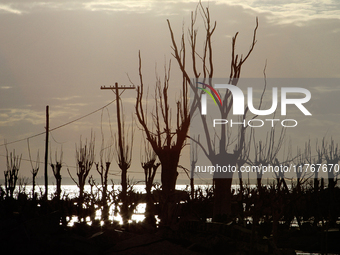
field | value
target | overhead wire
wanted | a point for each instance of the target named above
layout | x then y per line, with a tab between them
60	126
63	125
55	128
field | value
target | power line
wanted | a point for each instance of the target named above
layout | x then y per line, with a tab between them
65	124
115	171
83	116
16	141
32	161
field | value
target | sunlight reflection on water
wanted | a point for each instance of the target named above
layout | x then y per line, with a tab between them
72	191
138	216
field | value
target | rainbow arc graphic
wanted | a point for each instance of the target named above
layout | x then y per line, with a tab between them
208	92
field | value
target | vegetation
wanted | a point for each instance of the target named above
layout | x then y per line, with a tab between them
253	219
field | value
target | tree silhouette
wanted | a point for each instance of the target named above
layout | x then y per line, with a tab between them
193	157
167	140
103	167
150	167
332	157
301	175
85	160
315	160
221	154
266	152
11	174
34	170
56	168
123	147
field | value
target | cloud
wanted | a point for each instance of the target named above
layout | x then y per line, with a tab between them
131	6
9	9
65	98
26	7
278	12
5	87
11	117
103	6
291	11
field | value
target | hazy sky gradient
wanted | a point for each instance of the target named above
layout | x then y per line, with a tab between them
59	53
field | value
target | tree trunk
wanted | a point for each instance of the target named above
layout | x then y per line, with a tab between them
105	215
222	199
81	201
124	208
222	187
169	162
192	188
169	173
149	210
58	188
33	188
259	183
241	183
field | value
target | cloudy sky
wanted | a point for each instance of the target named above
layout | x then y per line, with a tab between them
59	53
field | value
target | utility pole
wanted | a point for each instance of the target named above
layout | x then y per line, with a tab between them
46	153
116	91
123	165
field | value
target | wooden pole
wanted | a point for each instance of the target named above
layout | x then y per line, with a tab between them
46	153
122	160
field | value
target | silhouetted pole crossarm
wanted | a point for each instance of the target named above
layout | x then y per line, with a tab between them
119	87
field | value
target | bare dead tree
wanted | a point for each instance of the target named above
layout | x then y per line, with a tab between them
332	157
34	170
85	159
301	178
103	167
314	160
56	168
11	174
123	147
194	158
243	160
318	160
266	153
222	184
167	140
148	162
92	198
301	175
285	162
